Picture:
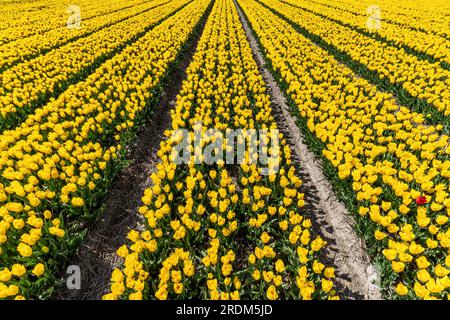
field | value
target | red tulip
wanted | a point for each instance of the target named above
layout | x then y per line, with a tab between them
421	200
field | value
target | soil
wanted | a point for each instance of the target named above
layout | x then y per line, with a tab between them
356	277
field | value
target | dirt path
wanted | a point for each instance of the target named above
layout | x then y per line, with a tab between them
355	276
96	256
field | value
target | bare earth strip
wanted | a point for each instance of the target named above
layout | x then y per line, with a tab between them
356	277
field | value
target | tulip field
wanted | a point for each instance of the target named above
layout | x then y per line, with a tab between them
342	193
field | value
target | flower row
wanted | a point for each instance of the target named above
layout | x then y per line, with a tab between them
433	45
428	17
420	78
30	18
